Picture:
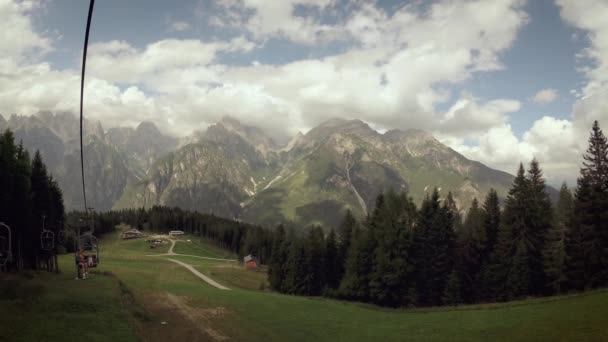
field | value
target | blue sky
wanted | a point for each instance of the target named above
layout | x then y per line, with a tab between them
542	56
495	80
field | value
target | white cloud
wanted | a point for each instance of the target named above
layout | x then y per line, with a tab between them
393	80
400	67
590	16
557	143
545	96
18	39
180	26
467	117
553	142
276	19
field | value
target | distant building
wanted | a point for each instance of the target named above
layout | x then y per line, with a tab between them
175	233
132	234
251	262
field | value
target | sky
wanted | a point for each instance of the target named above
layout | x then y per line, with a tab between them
500	81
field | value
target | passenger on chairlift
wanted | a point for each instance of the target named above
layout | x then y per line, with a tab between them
83	264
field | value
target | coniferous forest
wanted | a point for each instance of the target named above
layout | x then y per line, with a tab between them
399	255
30	199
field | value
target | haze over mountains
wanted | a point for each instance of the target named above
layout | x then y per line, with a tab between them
238	171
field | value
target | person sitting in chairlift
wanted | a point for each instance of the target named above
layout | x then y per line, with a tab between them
82	262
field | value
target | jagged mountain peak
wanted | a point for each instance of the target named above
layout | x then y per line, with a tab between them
338	126
354	125
228	121
294	142
409	135
147	127
254	136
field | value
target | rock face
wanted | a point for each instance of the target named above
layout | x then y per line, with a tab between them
144	144
112	160
238	171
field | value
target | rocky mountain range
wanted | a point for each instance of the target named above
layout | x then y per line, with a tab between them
238	171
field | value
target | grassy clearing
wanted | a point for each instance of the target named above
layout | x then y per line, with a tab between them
233	275
201	248
55	307
149	290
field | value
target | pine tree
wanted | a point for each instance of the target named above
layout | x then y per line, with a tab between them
315	261
539	222
333	264
555	249
345	233
278	259
452	295
392	224
433	249
355	283
471	246
519	280
587	240
497	274
491	211
297	268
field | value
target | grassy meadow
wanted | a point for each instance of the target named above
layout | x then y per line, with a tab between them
133	296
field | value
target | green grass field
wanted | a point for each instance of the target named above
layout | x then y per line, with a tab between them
133	296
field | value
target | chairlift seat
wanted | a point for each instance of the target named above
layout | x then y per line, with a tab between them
47	240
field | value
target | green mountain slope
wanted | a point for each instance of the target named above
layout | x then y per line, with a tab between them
236	171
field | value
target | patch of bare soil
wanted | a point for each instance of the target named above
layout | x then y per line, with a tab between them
200	317
175	320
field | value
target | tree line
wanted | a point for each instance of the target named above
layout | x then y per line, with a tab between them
238	237
29	199
401	255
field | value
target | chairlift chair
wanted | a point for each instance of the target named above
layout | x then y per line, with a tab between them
88	244
61	237
47	240
6	252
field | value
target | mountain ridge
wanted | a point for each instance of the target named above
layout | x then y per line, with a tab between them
239	171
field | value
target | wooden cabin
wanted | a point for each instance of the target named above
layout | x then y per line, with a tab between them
132	234
176	233
251	262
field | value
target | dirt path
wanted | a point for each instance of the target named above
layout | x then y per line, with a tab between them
189	267
197	317
195	256
170	252
200	275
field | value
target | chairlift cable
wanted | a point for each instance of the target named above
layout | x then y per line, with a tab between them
84	63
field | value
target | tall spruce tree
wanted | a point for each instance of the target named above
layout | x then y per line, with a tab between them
587	240
392	224
314	246
333	263
296	277
355	283
555	248
278	259
433	250
497	273
470	248
491	222
345	235
539	222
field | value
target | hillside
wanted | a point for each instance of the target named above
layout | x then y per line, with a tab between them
131	294
238	171
337	165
